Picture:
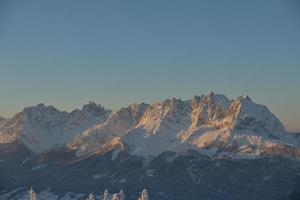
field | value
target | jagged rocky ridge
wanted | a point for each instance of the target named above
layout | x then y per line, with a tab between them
211	124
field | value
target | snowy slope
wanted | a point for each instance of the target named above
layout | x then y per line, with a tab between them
41	128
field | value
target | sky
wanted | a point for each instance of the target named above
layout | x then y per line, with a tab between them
69	52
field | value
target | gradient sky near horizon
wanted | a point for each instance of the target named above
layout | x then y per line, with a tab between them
68	52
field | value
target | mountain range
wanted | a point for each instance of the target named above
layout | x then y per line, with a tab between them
212	124
207	147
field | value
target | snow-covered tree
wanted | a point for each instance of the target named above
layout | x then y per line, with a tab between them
105	195
45	195
122	195
32	194
91	197
116	196
144	195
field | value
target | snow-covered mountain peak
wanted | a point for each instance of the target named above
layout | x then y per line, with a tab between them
117	124
244	98
41	128
40	108
127	117
93	109
137	109
45	117
212	99
171	112
208	122
217	99
209	109
252	116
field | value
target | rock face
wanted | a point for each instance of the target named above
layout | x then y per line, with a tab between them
211	124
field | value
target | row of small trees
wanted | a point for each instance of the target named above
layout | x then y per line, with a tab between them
106	196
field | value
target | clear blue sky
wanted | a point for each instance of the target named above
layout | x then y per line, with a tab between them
68	52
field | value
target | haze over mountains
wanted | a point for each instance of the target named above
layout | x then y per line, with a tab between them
211	124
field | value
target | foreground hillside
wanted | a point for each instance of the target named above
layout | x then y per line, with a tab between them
167	176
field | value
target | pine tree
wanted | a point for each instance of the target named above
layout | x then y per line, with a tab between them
105	195
91	197
122	195
32	194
